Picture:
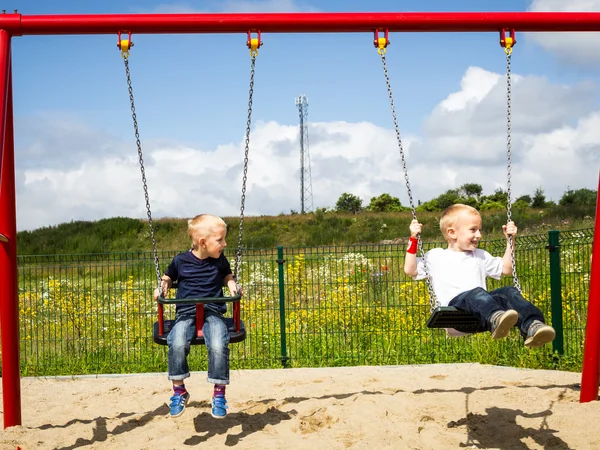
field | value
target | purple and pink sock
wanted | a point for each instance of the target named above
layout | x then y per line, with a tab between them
179	389
219	390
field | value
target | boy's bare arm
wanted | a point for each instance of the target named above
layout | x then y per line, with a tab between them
410	259
510	231
410	264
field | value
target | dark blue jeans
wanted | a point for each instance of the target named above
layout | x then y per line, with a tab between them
216	338
482	304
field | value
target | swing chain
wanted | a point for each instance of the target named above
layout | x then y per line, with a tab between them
238	255
509	167
142	170
432	297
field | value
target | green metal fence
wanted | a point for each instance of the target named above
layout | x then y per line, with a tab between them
325	306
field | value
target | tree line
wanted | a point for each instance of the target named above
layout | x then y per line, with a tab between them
469	194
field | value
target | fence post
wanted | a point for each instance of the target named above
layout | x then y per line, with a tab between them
556	290
280	263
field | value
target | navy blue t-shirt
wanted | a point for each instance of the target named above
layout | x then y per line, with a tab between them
198	278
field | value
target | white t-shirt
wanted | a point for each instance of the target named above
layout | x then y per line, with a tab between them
453	273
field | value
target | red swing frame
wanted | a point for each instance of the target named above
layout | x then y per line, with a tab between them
16	24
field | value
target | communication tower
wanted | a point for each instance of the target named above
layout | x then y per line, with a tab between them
306	196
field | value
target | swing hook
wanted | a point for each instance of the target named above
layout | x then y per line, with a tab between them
124	44
381	42
507	42
254	43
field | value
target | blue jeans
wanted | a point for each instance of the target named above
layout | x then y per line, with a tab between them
216	338
482	304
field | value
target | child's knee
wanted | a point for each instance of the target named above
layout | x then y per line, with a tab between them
178	343
479	291
512	290
219	345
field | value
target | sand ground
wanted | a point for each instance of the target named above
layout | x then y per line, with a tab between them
444	406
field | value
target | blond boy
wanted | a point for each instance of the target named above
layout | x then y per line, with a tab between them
459	274
200	272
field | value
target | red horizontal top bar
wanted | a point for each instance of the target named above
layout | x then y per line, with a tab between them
18	24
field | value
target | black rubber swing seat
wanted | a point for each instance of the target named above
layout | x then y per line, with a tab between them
450	317
161	329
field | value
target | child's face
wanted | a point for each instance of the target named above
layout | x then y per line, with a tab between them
467	231
214	244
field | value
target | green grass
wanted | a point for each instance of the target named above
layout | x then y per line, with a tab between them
344	305
123	235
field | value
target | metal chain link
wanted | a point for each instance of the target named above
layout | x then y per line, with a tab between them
432	297
143	172
509	167
238	254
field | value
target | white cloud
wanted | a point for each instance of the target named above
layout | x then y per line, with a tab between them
555	144
184	181
561	5
580	48
475	86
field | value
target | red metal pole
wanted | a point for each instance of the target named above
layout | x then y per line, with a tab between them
590	373
346	22
17	24
9	304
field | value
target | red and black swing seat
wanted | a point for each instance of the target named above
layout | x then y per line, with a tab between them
237	331
450	317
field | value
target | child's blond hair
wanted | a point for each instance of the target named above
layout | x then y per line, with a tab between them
450	216
202	226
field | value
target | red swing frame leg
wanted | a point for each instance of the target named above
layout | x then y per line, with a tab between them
590	372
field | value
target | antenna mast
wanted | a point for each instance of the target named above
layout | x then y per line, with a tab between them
306	197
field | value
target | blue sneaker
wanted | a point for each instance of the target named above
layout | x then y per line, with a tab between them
219	407
178	403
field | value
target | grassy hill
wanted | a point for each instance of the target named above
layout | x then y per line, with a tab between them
122	234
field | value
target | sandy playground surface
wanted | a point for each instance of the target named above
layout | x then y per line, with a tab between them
446	406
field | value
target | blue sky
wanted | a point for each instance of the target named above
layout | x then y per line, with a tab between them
76	157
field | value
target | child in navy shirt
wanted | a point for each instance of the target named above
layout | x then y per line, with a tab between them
200	272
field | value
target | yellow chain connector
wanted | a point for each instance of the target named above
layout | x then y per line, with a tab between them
254	43
124	45
381	42
507	42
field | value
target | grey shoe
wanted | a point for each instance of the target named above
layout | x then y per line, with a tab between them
539	334
502	322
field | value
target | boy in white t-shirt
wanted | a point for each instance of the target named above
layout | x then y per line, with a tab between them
458	275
